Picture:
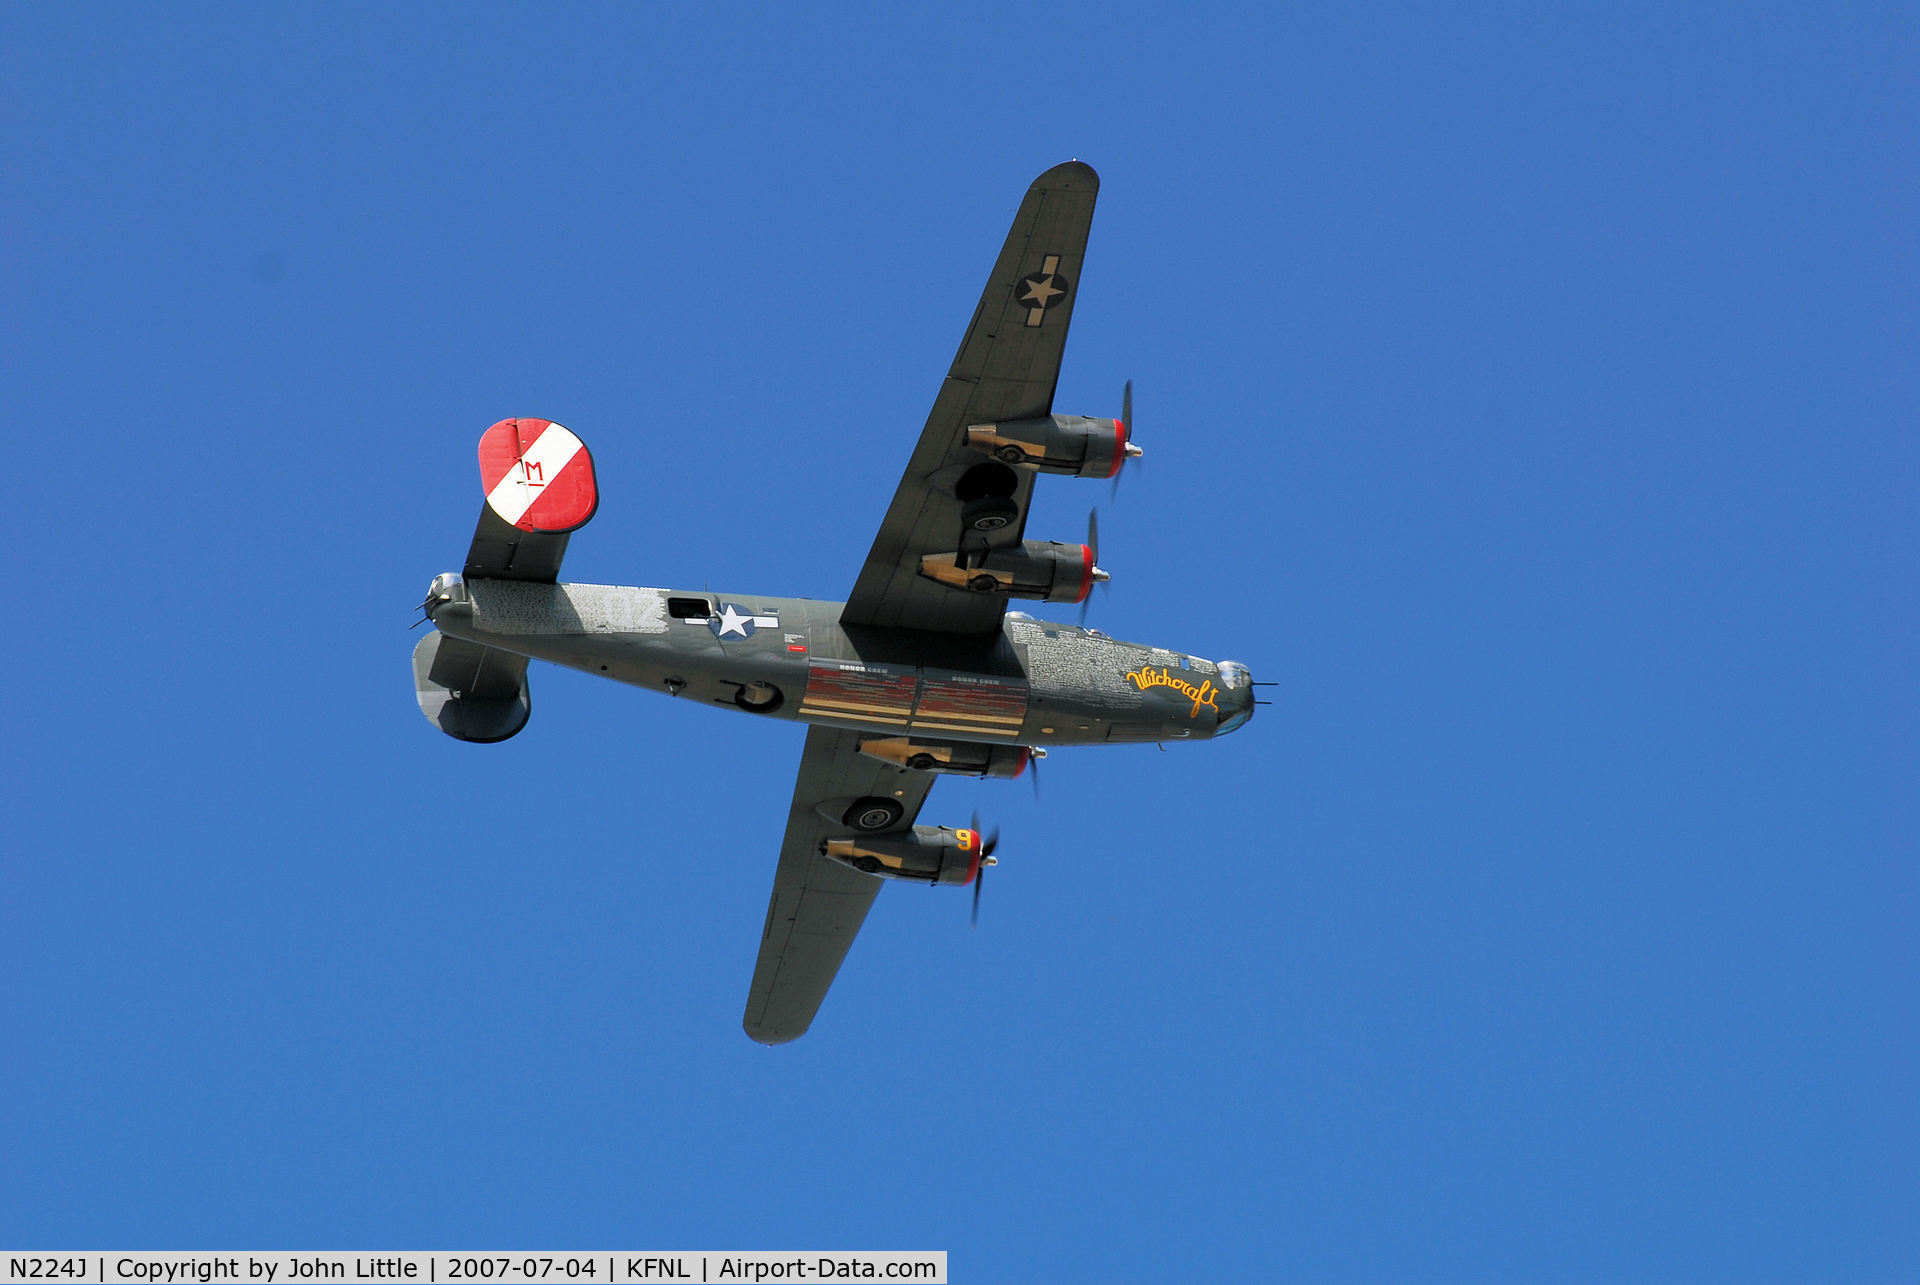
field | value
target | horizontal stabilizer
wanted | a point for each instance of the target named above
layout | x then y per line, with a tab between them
502	552
470	692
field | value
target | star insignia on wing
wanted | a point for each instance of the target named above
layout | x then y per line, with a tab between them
1039	291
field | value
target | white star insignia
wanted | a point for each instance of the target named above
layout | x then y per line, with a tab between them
1039	292
732	622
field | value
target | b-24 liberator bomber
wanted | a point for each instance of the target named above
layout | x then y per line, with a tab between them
922	672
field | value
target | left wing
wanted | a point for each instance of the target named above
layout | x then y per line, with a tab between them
818	904
1005	370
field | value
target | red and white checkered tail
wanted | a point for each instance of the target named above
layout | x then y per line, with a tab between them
537	475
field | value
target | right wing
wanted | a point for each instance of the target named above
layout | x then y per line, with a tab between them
818	904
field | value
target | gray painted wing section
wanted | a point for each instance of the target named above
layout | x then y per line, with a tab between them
502	551
1006	369
818	905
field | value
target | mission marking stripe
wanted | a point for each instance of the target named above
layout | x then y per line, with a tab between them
892	711
982	720
970	730
856	718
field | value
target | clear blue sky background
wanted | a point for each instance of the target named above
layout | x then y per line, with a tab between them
1530	391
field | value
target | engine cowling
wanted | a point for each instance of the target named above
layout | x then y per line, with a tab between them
1037	569
1076	445
925	854
950	758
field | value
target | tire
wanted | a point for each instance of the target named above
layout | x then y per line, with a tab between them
874	813
989	513
984	584
1010	455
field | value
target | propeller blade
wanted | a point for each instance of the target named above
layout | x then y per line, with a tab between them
988	842
1100	576
1133	453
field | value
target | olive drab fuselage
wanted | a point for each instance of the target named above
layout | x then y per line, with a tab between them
1032	683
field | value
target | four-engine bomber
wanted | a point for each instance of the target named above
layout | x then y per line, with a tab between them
923	672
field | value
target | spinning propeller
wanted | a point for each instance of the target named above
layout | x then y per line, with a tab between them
1100	577
1133	452
988	842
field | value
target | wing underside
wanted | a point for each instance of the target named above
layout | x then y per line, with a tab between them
818	904
1006	370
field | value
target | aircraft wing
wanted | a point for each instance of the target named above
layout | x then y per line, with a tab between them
818	904
1005	370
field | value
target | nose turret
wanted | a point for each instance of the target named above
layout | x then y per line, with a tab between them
1236	696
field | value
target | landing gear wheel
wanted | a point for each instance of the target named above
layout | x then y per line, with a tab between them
921	762
1010	454
758	698
989	513
983	584
873	813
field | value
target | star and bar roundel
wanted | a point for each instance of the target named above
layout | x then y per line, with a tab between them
1042	290
538	476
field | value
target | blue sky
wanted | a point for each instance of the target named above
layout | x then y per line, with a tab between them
1529	391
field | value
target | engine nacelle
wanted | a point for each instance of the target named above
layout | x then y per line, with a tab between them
925	854
1071	444
1003	762
1038	569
